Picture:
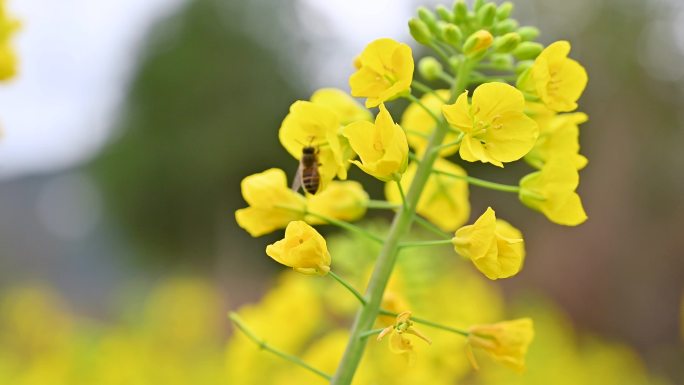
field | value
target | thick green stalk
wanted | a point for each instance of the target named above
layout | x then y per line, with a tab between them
365	318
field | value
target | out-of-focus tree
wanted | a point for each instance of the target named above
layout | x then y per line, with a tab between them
204	98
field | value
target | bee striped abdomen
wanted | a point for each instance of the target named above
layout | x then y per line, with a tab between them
310	180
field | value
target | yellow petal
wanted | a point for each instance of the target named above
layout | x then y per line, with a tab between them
492	99
458	114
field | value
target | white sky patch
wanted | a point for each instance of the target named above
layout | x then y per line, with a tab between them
77	57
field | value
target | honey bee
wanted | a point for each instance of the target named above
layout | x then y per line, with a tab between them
307	173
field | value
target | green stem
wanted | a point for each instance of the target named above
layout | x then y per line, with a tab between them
447	78
348	286
369	333
447	145
377	204
265	346
432	227
423	321
365	317
442	53
482	182
423	106
397	180
424	88
438	242
347	226
432	324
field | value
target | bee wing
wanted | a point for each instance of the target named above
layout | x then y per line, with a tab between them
297	181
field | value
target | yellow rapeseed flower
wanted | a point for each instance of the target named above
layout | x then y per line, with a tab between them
558	80
385	72
347	108
399	343
444	200
345	201
558	136
310	124
419	125
302	249
382	146
506	342
552	191
495	247
272	204
8	56
495	128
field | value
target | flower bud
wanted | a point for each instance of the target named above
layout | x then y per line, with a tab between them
505	26
444	14
504	10
429	68
528	33
477	4
528	50
507	42
420	31
452	34
501	61
486	14
478	42
454	62
460	11
429	19
302	249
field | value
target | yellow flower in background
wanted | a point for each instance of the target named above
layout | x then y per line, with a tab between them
558	137
495	247
302	249
345	201
270	200
8	56
385	72
399	343
310	124
506	342
495	128
419	125
348	110
558	80
382	146
552	191
444	200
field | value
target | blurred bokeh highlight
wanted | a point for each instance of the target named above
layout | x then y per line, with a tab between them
129	127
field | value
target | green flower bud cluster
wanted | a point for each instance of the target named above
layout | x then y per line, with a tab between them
485	30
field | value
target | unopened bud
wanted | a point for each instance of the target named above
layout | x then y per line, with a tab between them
528	33
505	26
452	34
504	10
478	4
478	42
428	18
460	11
444	14
507	42
501	61
419	31
486	14
527	50
454	62
429	68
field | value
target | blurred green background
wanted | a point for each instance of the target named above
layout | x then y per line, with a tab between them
213	82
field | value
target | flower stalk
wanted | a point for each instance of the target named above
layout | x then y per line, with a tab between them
401	224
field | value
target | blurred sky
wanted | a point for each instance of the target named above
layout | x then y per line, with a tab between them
77	57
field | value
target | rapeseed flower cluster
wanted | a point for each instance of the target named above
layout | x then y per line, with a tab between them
175	333
501	97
